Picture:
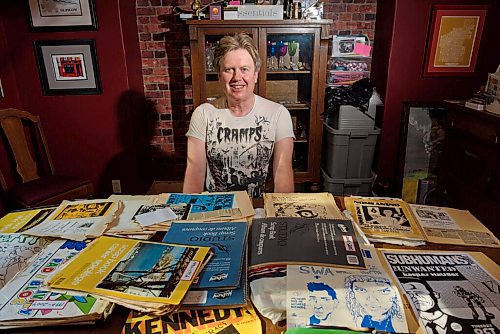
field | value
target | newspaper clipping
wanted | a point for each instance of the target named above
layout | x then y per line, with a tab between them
448	225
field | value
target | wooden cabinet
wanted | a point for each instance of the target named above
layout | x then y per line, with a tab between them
296	80
470	173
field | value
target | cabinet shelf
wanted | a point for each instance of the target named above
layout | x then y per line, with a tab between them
288	72
296	106
301	140
271	72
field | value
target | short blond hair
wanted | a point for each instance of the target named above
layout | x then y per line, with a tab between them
237	41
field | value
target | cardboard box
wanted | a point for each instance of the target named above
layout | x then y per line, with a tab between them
284	91
213	89
230	13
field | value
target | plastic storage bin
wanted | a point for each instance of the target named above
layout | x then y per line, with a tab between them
347	187
349	153
351	118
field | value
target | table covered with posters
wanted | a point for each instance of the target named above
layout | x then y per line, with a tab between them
116	320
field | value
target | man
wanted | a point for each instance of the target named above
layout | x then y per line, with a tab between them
233	143
436	321
323	300
372	301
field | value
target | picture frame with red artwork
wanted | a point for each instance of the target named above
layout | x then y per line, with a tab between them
454	40
68	67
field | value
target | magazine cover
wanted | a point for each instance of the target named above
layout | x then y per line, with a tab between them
452	226
213	206
450	292
16	250
382	217
301	205
78	220
326	296
203	203
20	221
228	241
23	301
203	207
132	270
242	320
327	242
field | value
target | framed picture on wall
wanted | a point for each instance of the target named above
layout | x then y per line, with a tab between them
68	67
57	15
453	40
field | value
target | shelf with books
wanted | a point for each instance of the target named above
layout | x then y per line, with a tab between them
350	60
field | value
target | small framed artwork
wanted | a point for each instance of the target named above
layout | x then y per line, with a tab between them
453	40
68	67
57	15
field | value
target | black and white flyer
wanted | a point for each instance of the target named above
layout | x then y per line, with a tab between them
450	292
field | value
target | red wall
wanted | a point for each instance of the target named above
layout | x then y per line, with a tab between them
83	131
7	76
398	60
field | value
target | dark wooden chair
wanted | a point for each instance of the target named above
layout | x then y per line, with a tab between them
27	175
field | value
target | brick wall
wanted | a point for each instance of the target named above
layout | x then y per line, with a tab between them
164	43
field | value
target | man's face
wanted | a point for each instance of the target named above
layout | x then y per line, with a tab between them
237	75
322	303
375	298
421	297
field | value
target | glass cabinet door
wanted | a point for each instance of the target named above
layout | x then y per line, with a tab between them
289	61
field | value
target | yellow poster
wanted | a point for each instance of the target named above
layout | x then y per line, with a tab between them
22	220
83	210
201	321
456	41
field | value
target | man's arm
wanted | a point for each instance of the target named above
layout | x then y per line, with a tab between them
194	178
282	166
